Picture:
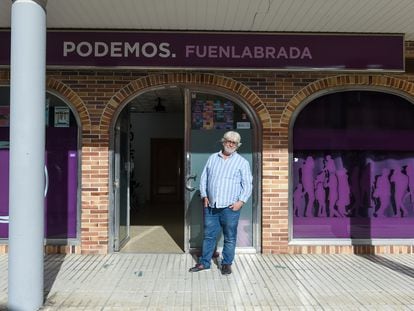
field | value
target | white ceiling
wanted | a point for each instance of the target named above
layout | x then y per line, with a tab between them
171	98
365	16
345	16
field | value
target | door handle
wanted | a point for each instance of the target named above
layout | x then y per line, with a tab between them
46	181
116	183
188	185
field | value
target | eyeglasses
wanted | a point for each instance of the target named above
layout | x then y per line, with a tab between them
230	142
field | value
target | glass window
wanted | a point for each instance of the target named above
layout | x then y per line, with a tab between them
353	167
61	159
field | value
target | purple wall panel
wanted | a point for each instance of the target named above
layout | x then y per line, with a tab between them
353	195
4	191
353	139
61	199
359	228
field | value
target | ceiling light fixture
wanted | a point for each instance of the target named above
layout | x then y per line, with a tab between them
159	107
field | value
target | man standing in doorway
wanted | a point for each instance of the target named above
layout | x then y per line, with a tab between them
225	185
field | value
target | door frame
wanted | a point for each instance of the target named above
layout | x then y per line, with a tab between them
256	167
256	157
118	171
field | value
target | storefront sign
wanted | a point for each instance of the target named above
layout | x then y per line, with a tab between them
220	50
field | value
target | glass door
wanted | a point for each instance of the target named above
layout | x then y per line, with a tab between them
121	180
209	116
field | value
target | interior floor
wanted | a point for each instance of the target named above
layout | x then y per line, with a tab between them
156	228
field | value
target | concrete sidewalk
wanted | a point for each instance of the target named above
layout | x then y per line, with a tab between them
259	282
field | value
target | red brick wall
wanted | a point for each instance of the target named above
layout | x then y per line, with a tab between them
274	96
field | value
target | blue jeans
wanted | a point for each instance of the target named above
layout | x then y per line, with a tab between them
216	219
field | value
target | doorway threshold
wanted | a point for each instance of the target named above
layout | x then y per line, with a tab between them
151	239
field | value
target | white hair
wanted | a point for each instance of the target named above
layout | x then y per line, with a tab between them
232	136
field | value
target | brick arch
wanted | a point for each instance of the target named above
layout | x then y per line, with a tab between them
67	93
331	83
73	98
187	79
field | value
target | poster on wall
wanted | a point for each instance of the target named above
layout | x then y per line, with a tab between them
4	116
212	114
62	117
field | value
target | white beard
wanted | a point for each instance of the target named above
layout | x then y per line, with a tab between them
229	150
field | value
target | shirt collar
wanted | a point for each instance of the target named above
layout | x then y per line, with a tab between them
221	155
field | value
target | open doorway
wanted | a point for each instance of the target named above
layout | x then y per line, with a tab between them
156	147
163	138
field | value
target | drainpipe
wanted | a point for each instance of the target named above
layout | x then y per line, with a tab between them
27	154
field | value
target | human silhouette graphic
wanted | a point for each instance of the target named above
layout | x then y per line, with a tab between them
299	196
382	192
400	185
410	173
298	200
320	193
331	184
355	192
307	181
344	192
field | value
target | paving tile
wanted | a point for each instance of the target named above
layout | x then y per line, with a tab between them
259	282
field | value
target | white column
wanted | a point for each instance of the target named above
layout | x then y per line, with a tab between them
27	154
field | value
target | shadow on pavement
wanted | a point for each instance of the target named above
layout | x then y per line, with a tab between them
52	265
390	264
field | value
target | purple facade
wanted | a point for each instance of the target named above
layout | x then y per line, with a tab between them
62	166
284	51
61	199
353	167
4	192
353	195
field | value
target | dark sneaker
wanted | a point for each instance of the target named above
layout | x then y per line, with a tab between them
198	267
226	269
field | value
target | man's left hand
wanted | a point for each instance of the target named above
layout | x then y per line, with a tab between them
236	205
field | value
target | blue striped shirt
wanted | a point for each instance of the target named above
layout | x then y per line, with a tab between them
226	181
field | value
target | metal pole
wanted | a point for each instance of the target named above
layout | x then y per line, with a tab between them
27	154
